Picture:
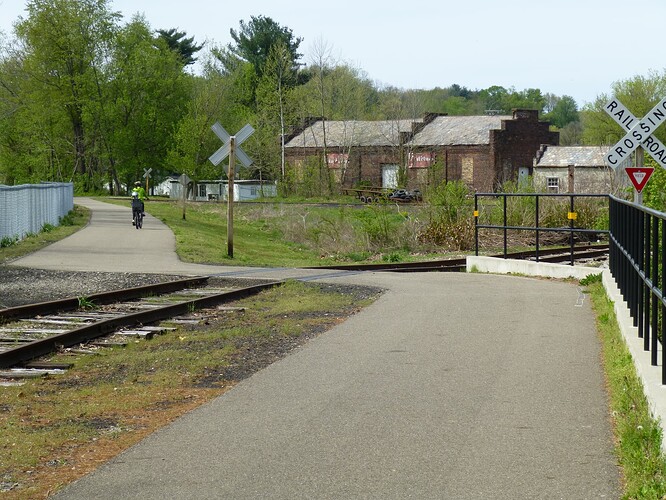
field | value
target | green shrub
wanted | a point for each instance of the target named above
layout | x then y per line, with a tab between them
451	222
590	279
8	241
392	257
378	225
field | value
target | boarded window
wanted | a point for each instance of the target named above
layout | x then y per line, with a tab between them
467	175
389	176
299	167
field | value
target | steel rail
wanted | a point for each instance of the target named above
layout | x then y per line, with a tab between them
37	348
454	265
72	303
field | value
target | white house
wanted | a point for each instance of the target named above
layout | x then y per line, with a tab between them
214	190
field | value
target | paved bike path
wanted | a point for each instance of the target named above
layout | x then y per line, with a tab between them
449	386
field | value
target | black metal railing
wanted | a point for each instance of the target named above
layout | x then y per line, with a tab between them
637	260
538	227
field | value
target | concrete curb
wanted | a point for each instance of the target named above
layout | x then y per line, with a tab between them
527	268
650	375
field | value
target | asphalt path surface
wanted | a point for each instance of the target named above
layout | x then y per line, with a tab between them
451	385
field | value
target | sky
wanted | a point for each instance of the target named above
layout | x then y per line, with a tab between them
577	48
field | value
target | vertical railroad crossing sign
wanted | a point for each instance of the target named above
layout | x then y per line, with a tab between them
146	175
231	148
639	133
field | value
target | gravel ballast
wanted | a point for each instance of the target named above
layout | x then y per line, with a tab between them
19	286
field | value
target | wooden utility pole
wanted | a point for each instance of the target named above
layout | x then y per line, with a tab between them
231	147
230	197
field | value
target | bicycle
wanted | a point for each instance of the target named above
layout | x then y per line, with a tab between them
137	212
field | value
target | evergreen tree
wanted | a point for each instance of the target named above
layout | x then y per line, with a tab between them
178	43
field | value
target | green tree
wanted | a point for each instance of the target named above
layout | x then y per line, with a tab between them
193	142
65	45
177	42
639	94
275	107
654	193
495	99
564	112
571	134
500	100
147	97
253	42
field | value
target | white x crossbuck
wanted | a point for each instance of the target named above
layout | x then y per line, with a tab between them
639	133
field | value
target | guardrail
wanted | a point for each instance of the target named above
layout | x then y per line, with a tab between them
637	261
27	208
538	228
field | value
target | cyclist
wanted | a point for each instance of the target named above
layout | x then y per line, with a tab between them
138	197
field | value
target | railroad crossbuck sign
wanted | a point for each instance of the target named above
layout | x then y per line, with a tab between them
639	133
231	148
224	151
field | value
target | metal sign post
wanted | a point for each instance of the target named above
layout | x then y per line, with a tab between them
230	197
232	149
640	163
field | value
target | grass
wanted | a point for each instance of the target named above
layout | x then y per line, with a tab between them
71	223
202	236
294	235
638	435
59	428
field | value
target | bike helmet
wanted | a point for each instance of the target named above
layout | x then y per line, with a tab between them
137	183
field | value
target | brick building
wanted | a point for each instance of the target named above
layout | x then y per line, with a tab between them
483	151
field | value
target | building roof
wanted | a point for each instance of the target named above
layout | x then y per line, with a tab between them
458	130
352	133
578	156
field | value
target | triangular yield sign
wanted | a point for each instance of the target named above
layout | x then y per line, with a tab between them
639	176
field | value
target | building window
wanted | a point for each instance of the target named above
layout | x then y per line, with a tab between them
202	190
553	184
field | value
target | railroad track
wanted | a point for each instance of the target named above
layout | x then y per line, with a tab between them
552	255
34	330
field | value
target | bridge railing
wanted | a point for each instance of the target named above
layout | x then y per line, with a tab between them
637	260
532	207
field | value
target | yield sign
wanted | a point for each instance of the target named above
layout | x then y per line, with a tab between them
639	176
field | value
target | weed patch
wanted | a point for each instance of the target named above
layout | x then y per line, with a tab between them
638	435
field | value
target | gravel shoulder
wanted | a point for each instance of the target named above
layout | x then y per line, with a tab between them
19	286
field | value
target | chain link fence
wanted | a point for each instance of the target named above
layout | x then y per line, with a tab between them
27	208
